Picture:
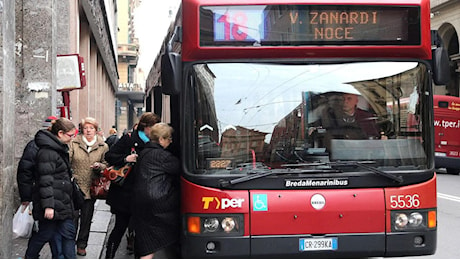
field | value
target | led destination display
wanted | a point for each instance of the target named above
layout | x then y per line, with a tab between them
273	25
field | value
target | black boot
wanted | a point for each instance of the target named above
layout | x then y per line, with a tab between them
130	242
111	250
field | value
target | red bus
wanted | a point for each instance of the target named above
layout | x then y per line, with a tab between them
272	164
447	130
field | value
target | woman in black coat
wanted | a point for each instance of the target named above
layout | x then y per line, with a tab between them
156	201
119	197
52	194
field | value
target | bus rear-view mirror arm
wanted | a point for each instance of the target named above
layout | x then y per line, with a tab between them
171	64
440	60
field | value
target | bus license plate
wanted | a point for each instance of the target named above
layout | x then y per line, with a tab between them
315	244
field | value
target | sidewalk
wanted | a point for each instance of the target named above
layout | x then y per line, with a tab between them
100	228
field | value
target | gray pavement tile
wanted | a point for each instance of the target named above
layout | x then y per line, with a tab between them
100	227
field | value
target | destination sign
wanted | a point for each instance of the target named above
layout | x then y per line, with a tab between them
268	25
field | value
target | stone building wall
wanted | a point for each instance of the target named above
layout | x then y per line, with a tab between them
33	33
7	118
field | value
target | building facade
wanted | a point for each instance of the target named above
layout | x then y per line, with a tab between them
130	94
34	33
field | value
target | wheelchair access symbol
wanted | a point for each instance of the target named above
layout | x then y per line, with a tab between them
259	202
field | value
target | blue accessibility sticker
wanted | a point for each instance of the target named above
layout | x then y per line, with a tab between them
259	202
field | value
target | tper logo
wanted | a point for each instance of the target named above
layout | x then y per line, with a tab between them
221	203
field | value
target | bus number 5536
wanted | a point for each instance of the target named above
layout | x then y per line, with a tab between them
404	201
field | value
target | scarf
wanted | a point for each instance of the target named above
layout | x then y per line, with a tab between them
88	143
143	136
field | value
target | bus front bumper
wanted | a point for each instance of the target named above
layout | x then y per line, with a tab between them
349	245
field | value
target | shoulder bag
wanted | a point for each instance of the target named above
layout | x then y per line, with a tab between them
117	175
78	196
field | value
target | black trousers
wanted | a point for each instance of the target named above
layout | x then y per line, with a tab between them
85	218
119	229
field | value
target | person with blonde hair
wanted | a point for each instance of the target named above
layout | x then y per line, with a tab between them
157	185
87	153
119	198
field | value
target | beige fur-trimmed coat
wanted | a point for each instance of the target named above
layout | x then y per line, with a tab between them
81	161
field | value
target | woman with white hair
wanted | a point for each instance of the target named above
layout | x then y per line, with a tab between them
87	153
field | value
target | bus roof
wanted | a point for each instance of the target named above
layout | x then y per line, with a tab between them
193	49
449	99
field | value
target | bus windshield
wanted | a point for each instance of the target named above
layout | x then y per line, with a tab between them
260	117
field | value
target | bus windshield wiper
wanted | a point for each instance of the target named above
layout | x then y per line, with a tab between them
260	174
363	165
294	169
360	164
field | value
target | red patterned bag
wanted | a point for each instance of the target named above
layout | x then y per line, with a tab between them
100	187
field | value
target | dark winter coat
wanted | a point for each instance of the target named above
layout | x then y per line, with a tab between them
54	187
111	140
26	171
119	197
156	200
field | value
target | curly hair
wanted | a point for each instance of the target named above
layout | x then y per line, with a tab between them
91	121
160	130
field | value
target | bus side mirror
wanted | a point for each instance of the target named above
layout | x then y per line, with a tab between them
171	73
441	68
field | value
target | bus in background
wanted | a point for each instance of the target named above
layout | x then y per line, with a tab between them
272	164
447	133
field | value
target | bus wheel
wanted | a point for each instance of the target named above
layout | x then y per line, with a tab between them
452	171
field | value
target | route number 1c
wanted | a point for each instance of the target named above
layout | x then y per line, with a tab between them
235	25
404	201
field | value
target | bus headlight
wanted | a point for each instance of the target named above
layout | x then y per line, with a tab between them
401	221
215	224
413	220
228	224
211	224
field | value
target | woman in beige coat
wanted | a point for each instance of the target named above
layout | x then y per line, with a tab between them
87	152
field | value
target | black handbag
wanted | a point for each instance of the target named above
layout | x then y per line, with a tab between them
78	196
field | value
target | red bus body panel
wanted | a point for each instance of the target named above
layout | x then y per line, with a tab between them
345	211
402	198
191	49
291	211
447	131
204	200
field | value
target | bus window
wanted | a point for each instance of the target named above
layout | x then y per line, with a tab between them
273	115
